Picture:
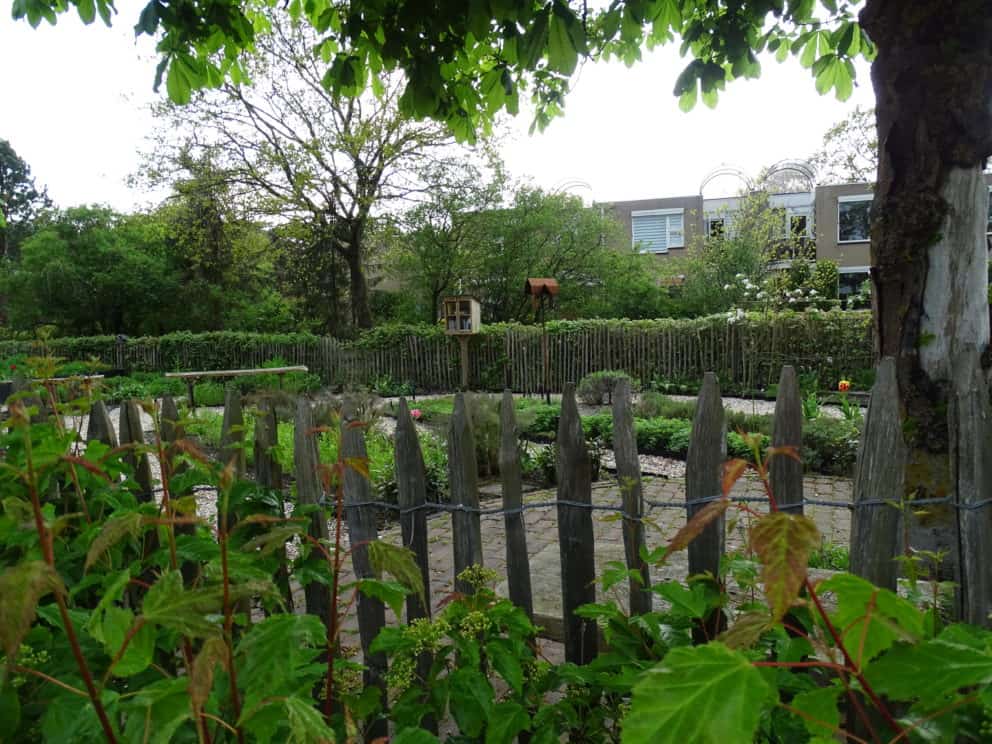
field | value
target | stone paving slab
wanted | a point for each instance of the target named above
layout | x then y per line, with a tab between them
542	534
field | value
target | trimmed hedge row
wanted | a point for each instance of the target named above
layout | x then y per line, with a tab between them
745	354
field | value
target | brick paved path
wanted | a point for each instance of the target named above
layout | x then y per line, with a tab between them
542	533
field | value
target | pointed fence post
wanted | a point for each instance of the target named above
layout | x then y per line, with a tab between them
411	495
629	478
268	474
517	558
704	475
99	428
171	431
411	488
232	439
972	475
575	532
786	474
309	491
361	531
133	434
463	476
879	484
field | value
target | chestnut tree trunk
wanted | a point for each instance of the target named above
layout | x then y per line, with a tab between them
933	85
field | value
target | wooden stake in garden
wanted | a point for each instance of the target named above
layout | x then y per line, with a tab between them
629	479
306	459
362	531
411	488
704	475
575	532
463	476
517	558
786	473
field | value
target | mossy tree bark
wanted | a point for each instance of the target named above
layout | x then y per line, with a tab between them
933	83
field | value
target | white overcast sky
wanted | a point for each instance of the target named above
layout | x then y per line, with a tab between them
74	100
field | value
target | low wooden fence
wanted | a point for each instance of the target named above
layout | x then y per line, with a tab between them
749	353
877	522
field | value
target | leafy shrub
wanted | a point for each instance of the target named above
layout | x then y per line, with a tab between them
597	388
598	426
830	446
652	404
209	393
116	389
290	382
662	436
386	387
738	447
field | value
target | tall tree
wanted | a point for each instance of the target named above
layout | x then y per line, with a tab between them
20	200
849	153
436	246
88	271
306	154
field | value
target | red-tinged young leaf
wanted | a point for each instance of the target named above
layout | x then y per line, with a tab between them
87	465
21	587
783	543
356	425
113	531
732	471
697	524
318	430
213	652
359	464
785	450
747	630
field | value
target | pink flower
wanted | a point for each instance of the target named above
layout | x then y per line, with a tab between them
417	413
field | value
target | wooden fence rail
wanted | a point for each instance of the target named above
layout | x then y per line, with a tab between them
747	354
876	522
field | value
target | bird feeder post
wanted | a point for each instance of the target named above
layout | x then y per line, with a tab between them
462	319
543	291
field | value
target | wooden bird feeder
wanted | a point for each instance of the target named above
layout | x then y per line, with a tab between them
538	289
462	319
462	315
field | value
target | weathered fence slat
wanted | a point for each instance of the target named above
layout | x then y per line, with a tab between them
171	430
632	494
972	476
463	472
309	490
517	558
786	473
361	531
880	479
575	532
133	434
232	438
411	492
268	474
99	428
704	475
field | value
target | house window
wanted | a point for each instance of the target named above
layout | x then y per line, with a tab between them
716	227
657	230
850	281
988	228
799	225
853	218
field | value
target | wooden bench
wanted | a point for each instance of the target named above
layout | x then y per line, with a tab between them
192	377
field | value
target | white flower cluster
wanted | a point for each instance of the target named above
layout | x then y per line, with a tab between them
735	316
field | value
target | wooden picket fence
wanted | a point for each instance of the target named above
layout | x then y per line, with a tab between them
877	522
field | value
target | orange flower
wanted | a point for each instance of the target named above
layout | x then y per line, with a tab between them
844	385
